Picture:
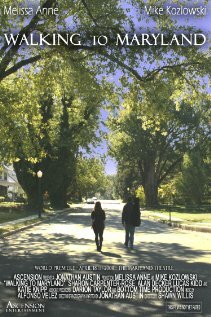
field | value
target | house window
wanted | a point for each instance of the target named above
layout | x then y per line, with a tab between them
5	176
1	175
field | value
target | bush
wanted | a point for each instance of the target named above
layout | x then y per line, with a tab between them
193	183
140	194
167	192
2	198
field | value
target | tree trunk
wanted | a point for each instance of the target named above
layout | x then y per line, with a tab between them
150	184
60	168
29	182
57	184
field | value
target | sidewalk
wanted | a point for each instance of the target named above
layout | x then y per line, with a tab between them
180	223
14	222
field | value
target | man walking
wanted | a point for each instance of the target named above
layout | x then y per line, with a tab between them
130	219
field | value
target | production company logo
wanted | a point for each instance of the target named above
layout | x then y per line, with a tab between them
14	307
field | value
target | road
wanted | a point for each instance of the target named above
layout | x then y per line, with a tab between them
68	240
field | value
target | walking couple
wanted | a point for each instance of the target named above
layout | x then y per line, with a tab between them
130	220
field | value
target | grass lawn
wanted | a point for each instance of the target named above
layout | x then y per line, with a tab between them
12	211
189	215
14	215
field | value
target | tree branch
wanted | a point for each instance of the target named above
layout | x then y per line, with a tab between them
24	31
153	73
19	65
89	12
171	167
95	20
123	65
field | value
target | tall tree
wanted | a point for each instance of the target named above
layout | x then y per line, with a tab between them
127	179
90	177
60	114
193	182
155	142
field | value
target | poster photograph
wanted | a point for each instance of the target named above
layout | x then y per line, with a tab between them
105	158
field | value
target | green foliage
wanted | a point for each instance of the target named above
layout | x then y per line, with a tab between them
90	177
154	140
167	192
110	190
42	129
23	126
193	183
50	109
127	180
140	194
2	198
97	17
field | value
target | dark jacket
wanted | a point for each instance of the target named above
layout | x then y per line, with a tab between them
98	218
131	215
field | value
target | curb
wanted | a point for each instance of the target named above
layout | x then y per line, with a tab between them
186	227
6	234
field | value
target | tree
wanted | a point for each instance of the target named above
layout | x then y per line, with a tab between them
110	191
60	113
90	18
193	182
11	56
155	142
90	177
127	179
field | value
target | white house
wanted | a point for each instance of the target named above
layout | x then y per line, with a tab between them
9	185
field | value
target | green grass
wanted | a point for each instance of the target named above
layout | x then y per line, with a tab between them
185	215
10	211
13	211
186	209
14	215
8	205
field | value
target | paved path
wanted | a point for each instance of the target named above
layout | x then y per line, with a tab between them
68	240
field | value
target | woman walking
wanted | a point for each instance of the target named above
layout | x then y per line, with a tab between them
98	218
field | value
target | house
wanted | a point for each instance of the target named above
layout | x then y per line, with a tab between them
9	186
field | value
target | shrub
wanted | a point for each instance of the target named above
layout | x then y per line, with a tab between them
167	192
2	198
140	194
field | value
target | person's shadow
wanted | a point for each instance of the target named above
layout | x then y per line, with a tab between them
111	255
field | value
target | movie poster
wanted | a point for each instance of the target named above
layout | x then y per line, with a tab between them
105	158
